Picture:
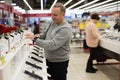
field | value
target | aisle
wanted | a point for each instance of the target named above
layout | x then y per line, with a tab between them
77	65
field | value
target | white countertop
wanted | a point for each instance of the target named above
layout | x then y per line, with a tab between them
112	45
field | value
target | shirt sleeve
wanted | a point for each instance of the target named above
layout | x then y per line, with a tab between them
44	30
95	31
62	35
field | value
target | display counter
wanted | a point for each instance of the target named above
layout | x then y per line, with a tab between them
111	43
22	61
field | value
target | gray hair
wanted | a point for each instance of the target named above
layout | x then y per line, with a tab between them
61	6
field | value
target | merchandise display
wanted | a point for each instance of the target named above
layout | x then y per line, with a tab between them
111	41
34	65
35	59
36	53
20	57
31	58
33	75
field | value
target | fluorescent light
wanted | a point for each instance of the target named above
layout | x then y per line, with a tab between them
97	4
67	2
17	7
27	4
41	4
110	8
53	4
23	11
87	4
76	4
2	1
106	5
105	10
13	4
39	11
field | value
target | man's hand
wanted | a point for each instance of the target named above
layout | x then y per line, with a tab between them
37	35
30	36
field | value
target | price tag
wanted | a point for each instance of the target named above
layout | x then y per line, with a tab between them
2	60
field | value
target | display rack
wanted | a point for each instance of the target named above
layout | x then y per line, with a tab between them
111	41
15	65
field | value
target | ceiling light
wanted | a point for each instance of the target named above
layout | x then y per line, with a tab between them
87	4
106	5
67	2
111	7
95	5
13	4
2	1
41	4
76	4
17	7
27	4
104	10
53	4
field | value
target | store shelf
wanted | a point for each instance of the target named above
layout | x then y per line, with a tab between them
10	56
111	44
15	59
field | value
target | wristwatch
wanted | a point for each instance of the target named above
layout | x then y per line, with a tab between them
34	40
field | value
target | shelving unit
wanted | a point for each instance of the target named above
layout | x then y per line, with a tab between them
15	61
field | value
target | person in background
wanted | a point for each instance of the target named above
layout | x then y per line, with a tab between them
55	40
92	40
36	29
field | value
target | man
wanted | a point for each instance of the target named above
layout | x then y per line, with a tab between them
92	40
55	39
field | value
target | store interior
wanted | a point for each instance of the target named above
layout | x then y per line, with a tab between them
19	57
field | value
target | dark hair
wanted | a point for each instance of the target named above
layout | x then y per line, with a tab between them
61	6
95	16
35	23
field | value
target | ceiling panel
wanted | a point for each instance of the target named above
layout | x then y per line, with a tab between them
36	4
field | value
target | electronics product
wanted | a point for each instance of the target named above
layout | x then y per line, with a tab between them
6	37
21	30
36	50
33	75
0	35
35	59
11	35
36	47
33	65
37	54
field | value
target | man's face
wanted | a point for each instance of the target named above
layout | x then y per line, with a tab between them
57	15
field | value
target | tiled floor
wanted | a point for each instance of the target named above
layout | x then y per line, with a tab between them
77	65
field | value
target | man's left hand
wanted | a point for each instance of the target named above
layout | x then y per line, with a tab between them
30	36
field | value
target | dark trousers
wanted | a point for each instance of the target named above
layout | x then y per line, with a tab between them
85	45
93	53
57	70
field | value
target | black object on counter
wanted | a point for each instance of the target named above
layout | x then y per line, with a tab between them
11	35
33	75
36	50
33	65
37	54
36	59
36	47
0	35
117	26
6	37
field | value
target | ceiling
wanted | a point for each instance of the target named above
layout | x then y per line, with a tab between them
74	4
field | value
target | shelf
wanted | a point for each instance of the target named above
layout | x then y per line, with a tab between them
9	56
15	65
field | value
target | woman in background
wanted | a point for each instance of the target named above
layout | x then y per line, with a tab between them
36	29
92	40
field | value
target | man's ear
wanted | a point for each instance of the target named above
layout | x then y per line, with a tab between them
63	14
